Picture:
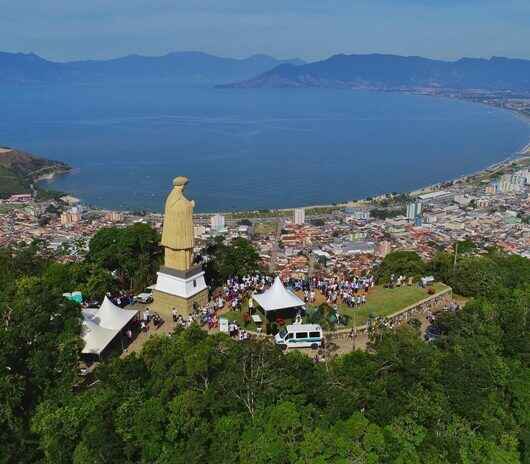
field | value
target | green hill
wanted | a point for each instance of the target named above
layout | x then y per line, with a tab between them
18	171
10	183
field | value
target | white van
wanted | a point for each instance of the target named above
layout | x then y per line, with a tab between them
300	335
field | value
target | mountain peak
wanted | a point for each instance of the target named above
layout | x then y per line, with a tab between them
186	67
383	71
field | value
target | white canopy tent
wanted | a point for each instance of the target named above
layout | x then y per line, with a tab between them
101	325
96	338
110	316
277	297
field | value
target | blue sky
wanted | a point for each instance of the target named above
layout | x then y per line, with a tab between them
310	29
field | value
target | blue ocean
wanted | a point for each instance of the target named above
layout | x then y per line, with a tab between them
250	149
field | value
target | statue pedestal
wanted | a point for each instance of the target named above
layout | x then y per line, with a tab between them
181	290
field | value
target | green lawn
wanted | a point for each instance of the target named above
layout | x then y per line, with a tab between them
385	301
238	317
6	208
381	301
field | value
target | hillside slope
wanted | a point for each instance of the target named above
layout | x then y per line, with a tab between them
188	67
18	170
398	72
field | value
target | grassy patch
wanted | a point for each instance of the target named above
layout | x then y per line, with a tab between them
265	228
319	210
6	208
385	301
238	317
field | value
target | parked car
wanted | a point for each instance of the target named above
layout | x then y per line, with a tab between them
146	297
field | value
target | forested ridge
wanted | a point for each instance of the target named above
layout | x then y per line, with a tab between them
18	171
196	398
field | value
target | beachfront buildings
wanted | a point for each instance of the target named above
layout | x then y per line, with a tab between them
345	238
511	183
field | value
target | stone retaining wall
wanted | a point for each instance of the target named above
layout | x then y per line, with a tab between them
430	303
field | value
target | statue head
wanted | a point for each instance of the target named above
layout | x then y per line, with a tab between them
180	181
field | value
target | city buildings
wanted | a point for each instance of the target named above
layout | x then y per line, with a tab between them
438	196
20	198
114	216
70	217
362	214
511	183
343	240
383	248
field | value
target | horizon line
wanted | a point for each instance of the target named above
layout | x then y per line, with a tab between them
253	55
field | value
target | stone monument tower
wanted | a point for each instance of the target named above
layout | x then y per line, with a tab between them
180	284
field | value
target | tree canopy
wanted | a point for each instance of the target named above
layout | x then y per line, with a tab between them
236	259
198	398
133	253
195	398
406	263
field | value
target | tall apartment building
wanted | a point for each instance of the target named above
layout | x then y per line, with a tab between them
511	183
414	211
70	217
114	216
217	222
299	216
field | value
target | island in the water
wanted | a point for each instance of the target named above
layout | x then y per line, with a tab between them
20	171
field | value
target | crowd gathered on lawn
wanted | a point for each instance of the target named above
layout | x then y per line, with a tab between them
335	290
352	292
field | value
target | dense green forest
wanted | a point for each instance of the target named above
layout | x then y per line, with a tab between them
193	398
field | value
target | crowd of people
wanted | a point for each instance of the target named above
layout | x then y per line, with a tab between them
336	290
147	317
201	316
236	332
351	292
237	290
398	281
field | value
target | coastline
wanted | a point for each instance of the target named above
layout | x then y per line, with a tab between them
522	153
491	169
53	174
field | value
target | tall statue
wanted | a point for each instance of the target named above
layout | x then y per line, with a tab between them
177	234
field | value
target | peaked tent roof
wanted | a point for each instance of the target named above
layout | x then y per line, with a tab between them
96	338
277	297
110	316
101	325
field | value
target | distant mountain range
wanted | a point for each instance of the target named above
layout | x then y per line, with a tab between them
382	72
398	73
190	67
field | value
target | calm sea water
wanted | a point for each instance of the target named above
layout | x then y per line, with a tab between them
250	149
